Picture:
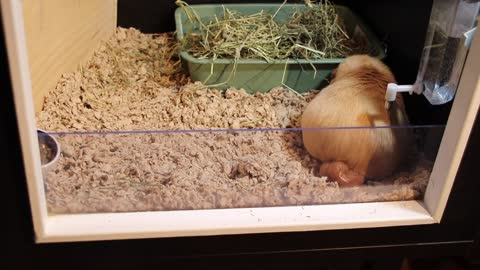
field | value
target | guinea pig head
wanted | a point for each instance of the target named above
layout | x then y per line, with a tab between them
362	64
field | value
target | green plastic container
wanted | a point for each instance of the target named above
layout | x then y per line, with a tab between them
260	75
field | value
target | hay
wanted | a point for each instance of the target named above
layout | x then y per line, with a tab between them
317	32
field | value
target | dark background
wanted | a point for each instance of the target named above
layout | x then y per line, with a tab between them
402	24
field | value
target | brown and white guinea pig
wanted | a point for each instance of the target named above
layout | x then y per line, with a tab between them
356	98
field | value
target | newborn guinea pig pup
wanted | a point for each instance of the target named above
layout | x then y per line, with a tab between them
356	98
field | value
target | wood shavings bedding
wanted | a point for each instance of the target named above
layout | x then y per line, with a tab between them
132	83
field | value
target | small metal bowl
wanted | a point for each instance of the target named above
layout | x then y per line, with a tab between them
52	143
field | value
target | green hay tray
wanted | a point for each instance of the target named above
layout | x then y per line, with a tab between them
260	75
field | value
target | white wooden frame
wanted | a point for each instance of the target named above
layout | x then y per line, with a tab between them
86	227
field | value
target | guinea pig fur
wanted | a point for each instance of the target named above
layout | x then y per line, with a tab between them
356	98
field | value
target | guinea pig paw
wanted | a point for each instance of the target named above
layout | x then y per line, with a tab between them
339	171
350	178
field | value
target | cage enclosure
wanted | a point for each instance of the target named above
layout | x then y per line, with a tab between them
149	148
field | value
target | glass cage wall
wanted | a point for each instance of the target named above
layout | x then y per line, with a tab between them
130	130
178	170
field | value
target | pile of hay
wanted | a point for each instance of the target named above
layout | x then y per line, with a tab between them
314	32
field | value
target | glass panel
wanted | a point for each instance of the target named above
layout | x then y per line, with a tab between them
192	169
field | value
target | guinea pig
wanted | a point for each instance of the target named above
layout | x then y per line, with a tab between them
355	98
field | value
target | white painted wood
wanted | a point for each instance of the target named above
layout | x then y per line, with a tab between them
24	108
87	227
455	137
